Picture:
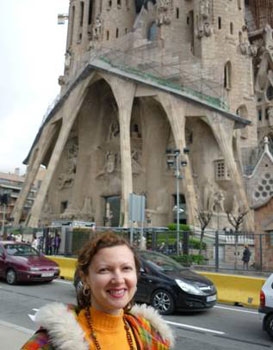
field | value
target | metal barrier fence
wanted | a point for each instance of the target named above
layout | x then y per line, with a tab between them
220	250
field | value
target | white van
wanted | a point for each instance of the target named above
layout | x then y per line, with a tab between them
266	305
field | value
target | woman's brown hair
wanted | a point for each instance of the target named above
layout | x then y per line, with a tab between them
102	240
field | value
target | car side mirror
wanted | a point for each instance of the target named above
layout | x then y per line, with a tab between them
142	271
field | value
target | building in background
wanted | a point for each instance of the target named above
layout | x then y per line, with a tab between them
143	77
11	185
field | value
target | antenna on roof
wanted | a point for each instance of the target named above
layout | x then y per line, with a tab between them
62	17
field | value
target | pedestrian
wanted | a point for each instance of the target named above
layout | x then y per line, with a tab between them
105	317
56	244
35	242
246	257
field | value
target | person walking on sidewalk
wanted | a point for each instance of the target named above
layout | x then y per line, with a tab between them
246	257
105	317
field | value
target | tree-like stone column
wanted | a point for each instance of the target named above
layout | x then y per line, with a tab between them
124	92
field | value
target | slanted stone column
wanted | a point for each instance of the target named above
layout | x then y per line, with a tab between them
124	92
175	110
222	129
36	159
69	112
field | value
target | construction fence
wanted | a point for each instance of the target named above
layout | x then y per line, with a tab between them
218	251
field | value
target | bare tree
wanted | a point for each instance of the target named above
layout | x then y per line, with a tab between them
236	221
204	218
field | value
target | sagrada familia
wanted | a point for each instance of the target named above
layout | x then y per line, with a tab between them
145	76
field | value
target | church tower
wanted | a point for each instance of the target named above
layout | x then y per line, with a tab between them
95	24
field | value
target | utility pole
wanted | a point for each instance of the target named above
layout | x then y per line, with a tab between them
173	161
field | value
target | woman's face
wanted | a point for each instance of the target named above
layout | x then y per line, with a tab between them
112	279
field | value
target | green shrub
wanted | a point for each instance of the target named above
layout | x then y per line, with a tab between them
187	260
182	227
194	243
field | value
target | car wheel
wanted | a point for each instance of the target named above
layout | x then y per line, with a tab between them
269	325
11	276
163	302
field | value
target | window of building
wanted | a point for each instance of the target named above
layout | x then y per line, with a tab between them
119	3
107	35
219	23
152	32
117	32
221	171
81	13
125	30
260	115
227	76
90	12
64	205
231	28
71	29
269	93
267	114
177	13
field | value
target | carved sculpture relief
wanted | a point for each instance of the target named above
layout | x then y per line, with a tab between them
66	177
136	156
113	130
111	163
245	47
264	76
87	212
204	19
163	9
213	199
97	28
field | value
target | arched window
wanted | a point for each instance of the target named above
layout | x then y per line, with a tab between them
152	32
227	76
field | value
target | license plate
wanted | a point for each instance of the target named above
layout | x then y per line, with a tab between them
211	298
47	274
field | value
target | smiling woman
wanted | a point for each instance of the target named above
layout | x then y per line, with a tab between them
105	317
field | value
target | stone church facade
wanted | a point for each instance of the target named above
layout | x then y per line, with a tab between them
141	77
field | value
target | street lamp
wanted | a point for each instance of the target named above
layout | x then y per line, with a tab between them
173	161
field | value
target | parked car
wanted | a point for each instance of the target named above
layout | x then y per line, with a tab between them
21	262
169	286
266	305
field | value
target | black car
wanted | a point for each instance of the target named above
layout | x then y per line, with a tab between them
169	286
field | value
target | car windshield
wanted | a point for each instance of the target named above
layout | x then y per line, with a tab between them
161	262
20	250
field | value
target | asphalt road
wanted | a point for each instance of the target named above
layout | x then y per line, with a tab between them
224	327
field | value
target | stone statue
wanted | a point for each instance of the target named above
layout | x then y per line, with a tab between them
66	178
113	130
136	164
97	28
204	22
87	212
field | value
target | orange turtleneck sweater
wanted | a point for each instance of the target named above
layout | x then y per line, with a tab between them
109	330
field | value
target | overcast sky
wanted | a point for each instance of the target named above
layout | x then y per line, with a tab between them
32	48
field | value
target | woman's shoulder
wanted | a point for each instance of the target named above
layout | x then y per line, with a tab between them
61	329
147	320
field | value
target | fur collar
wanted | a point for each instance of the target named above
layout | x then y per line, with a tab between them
66	334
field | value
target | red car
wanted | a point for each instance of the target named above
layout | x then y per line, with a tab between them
20	262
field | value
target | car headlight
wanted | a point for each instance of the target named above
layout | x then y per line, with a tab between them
189	288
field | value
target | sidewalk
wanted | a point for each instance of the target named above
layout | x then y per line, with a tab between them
12	337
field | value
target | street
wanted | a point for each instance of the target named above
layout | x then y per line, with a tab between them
224	327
